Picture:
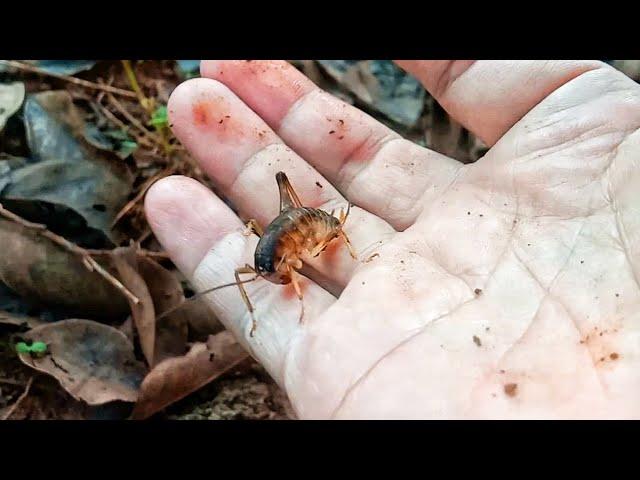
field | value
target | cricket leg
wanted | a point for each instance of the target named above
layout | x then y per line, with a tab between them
348	243
253	227
245	297
296	286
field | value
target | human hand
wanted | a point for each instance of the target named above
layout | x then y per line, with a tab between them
507	288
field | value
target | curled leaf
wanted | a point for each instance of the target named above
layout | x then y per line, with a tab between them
92	361
177	377
143	312
166	293
70	171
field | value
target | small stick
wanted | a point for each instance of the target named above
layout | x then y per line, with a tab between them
19	401
88	262
74	80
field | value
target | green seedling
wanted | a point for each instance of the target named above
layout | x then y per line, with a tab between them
36	349
160	117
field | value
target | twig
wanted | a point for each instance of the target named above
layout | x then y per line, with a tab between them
19	401
133	81
141	194
74	80
88	262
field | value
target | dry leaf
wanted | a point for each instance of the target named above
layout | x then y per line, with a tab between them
175	378
143	312
201	319
93	182
166	292
92	361
36	268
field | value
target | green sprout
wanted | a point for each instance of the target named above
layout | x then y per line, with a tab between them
160	118
36	349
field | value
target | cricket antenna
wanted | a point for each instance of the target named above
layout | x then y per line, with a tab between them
343	216
200	294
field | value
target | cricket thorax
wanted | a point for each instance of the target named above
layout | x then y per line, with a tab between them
294	232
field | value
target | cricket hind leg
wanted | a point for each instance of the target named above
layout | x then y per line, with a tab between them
294	280
352	252
240	271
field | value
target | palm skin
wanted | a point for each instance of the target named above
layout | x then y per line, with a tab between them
503	289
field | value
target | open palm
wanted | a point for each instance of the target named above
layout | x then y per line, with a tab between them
508	288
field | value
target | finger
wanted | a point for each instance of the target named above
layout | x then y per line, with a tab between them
207	244
489	97
368	162
242	155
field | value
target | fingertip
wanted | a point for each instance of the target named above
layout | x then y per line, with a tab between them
187	219
217	128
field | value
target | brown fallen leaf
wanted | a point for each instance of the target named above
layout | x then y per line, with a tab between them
143	312
201	320
92	361
166	293
175	378
36	268
127	328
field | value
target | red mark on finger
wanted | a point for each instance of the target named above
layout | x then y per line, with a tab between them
212	114
200	114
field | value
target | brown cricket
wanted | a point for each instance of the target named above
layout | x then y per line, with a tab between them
295	231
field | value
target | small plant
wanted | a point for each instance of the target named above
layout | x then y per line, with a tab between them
159	118
36	349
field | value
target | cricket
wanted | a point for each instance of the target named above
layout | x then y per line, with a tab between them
296	230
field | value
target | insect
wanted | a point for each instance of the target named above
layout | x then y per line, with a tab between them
295	231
